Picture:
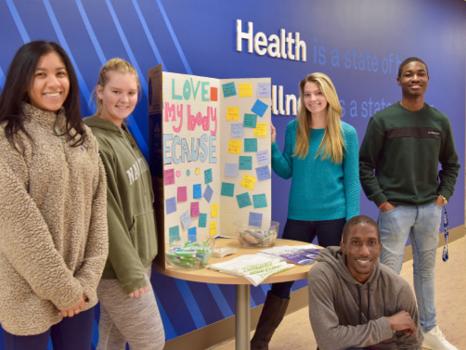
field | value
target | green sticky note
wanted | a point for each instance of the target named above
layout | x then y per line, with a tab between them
228	189
202	220
250	120
243	200
250	145
174	234
245	163
259	200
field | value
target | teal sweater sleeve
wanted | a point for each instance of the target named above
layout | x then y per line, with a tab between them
282	163
351	171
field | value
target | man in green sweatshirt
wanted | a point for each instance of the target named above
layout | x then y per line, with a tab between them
399	171
356	302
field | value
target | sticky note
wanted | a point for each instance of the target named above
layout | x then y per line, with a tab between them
232	114
197	191
169	176
170	205
250	145
208	192
185	220
259	200
234	146
202	220
250	120
228	189
259	108
214	210
192	234
236	130
263	90
245	163
213	228
231	170
263	157
243	199
174	234
208	176
229	89
194	209
261	129
214	94
245	90
255	219
248	182
263	173
181	194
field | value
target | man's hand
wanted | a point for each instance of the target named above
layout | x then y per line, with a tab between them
441	201
386	206
402	322
74	310
139	292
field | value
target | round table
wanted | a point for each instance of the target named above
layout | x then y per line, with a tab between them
243	322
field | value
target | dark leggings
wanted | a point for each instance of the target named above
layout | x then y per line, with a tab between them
72	333
328	233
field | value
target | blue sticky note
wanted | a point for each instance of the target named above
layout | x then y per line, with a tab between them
243	200
263	173
208	176
250	145
245	163
185	219
229	89
174	234
255	219
259	108
259	200
170	205
202	220
237	131
263	90
262	157
192	235
231	170
228	189
197	191
208	192
250	120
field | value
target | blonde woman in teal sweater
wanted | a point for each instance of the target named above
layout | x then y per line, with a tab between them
321	158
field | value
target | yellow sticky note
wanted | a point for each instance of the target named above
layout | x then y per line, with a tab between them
248	182
235	146
261	129
214	210
213	228
245	90
232	114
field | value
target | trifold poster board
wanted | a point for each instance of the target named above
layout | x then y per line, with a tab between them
211	155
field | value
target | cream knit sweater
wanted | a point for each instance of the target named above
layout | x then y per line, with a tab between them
53	224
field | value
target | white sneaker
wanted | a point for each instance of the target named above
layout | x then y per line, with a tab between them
435	340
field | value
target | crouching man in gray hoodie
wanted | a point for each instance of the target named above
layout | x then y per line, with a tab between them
356	302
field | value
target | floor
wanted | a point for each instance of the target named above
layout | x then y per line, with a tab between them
295	331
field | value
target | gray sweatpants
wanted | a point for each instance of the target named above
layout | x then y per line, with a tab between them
135	321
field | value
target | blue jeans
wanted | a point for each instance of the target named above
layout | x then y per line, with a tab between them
421	225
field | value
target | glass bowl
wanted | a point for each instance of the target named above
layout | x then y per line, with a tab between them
255	237
190	255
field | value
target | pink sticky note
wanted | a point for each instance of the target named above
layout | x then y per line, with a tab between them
169	176
181	194
194	209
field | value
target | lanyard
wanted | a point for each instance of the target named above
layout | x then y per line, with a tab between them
445	233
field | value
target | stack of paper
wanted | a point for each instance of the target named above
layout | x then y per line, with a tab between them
254	267
298	254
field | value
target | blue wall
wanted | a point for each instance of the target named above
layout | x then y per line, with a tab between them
359	43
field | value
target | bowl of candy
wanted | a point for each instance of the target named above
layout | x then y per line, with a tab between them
256	237
189	255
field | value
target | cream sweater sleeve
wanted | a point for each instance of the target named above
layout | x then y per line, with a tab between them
25	240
